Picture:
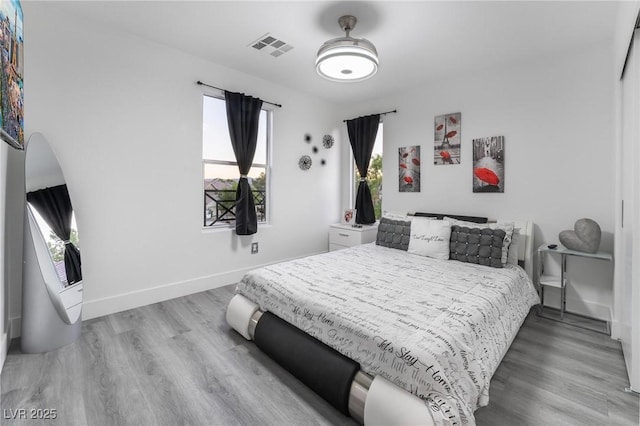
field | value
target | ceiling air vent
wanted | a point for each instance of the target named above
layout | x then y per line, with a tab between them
271	45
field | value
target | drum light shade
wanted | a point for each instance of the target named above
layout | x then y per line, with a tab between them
347	59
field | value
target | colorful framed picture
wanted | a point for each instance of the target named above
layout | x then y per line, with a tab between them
488	164
447	139
349	217
409	169
11	75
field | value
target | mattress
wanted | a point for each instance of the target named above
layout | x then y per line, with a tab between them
436	328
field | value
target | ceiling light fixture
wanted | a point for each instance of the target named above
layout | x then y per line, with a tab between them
347	59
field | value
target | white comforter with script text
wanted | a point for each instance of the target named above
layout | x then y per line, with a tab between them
437	328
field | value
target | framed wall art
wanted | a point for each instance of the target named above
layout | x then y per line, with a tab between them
11	76
409	169
446	138
488	164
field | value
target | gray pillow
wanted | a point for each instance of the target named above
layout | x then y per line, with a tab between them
394	233
476	245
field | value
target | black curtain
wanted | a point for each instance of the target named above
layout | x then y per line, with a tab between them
54	205
362	135
243	114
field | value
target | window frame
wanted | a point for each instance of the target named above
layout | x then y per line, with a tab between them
266	167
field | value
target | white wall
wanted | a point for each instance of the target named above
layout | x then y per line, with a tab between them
11	212
4	326
556	115
124	117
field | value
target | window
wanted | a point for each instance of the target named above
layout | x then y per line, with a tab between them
220	169
374	176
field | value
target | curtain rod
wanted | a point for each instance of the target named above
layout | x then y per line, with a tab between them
381	113
199	83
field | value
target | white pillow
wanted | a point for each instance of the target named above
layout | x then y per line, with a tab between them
514	247
430	238
507	227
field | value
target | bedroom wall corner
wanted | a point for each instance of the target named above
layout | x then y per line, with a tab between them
14	208
11	218
129	140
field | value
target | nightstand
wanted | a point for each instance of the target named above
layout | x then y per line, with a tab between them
343	236
547	280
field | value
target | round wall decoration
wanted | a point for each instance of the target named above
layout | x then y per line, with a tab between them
327	141
305	162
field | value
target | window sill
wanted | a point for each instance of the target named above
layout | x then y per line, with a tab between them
220	229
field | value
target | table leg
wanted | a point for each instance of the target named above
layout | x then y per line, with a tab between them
563	286
540	286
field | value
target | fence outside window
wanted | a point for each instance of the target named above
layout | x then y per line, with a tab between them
220	205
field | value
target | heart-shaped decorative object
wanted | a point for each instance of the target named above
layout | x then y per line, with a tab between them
585	236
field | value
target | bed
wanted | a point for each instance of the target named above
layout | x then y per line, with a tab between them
385	335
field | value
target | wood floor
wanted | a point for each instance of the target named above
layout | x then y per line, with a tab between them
177	362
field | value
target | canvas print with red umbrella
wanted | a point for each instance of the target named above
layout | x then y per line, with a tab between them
488	164
409	169
446	139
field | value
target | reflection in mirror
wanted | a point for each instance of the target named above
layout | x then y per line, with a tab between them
56	245
52	275
52	206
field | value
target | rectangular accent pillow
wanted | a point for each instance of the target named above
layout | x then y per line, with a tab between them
482	246
473	219
514	247
396	216
393	233
506	226
430	238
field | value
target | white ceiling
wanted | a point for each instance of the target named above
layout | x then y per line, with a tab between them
416	41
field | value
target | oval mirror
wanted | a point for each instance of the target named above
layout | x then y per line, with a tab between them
52	274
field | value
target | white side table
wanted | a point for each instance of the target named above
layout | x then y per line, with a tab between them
548	280
343	236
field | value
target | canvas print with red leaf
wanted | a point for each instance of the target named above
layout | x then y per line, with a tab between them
409	169
488	164
446	145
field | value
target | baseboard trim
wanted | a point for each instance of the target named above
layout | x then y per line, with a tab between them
15	328
135	299
122	302
616	329
4	347
578	306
